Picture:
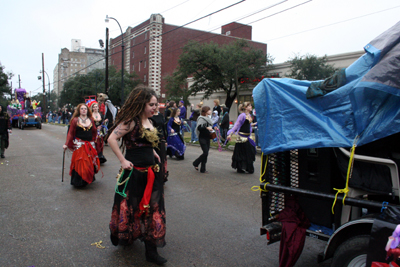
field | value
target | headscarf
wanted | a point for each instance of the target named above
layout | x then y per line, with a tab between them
202	120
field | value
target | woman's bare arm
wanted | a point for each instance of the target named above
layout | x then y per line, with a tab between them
116	134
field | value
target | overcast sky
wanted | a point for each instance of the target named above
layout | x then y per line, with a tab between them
319	27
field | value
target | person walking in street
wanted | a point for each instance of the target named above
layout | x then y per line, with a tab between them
81	138
168	111
161	149
59	116
138	211
224	124
182	110
193	122
203	129
217	107
176	144
244	153
5	129
99	121
215	122
64	116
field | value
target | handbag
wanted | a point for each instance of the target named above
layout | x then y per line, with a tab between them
213	134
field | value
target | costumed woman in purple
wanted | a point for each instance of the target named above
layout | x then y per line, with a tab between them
81	138
138	211
244	153
176	145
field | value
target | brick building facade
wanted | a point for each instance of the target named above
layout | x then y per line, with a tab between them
152	48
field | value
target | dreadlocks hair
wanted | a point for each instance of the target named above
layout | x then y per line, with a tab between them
134	105
77	112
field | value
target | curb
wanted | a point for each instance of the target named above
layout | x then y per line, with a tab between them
231	148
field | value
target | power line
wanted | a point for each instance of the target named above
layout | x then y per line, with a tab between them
153	38
338	22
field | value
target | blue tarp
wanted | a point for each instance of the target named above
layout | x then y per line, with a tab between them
368	105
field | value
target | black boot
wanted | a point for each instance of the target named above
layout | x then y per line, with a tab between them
152	254
2	155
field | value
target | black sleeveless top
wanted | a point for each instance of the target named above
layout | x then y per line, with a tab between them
139	146
245	128
84	133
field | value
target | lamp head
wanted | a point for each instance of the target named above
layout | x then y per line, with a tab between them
107	20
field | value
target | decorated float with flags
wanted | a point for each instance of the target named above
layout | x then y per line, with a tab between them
24	112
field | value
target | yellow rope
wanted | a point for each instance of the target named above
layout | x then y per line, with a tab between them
257	187
98	244
345	190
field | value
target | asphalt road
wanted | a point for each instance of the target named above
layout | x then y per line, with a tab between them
212	219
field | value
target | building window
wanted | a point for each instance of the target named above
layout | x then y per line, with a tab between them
145	35
145	63
133	54
145	49
133	67
144	78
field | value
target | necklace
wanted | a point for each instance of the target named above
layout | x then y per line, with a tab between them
83	120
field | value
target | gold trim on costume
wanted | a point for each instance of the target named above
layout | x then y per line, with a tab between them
151	136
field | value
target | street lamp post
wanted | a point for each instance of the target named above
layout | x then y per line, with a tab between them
44	93
122	66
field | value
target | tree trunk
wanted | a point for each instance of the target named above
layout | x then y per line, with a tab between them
229	100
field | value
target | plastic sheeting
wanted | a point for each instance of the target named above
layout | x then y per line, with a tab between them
367	106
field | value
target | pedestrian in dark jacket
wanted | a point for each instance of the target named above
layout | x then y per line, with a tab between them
193	120
216	107
224	124
5	128
203	129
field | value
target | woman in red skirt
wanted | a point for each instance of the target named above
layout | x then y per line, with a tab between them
80	139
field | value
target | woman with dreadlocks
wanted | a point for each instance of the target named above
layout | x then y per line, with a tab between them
138	211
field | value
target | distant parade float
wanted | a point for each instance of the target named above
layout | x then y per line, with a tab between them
24	112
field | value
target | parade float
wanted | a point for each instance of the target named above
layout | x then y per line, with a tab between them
24	112
330	160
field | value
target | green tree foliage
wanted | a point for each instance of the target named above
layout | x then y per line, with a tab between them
80	86
216	68
5	88
310	67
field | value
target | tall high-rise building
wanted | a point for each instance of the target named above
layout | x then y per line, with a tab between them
152	48
78	60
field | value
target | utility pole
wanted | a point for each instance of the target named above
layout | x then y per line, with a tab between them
19	81
44	89
107	61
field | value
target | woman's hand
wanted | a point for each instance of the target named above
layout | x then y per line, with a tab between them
215	128
172	131
106	120
126	165
156	156
209	128
65	147
229	137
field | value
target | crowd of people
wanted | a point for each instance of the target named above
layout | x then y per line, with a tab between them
63	115
141	139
